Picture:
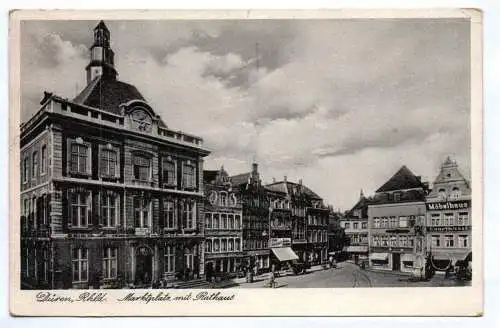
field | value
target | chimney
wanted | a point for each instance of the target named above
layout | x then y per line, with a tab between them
274	180
284	179
300	182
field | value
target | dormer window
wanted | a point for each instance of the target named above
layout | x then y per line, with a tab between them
455	193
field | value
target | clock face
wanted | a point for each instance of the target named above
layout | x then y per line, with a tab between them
141	120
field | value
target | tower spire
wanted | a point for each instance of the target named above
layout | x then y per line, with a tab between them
101	55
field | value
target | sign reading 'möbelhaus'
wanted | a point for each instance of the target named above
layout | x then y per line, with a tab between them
443	206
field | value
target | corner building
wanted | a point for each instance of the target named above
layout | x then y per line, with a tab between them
110	195
394	213
449	218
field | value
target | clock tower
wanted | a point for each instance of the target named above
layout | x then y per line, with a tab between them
101	55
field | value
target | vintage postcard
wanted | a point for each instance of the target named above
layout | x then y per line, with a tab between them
246	163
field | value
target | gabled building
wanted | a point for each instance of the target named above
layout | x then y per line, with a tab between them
223	225
449	217
355	224
255	210
300	214
110	195
397	208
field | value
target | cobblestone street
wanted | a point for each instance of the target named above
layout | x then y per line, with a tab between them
348	275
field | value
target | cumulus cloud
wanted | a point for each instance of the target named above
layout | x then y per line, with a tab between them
339	104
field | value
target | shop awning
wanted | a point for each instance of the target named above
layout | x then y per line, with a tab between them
285	254
379	256
407	258
356	249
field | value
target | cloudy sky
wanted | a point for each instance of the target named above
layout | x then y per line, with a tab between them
340	104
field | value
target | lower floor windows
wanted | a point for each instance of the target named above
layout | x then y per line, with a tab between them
169	259
109	263
80	259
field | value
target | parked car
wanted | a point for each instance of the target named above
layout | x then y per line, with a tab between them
299	267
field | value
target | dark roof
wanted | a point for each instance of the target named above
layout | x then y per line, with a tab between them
107	94
209	175
362	205
403	179
101	25
285	187
240	179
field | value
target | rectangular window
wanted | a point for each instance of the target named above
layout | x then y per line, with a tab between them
237	245
142	212
463	241
79	209
208	220
237	222
355	225
435	220
169	172
363	225
108	162
385	240
449	241
188	215
216	221
79	157
109	263
188	176
376	223
80	262
436	241
230	220
34	164
393	222
169	259
385	222
25	168
223	221
394	241
448	219
403	222
463	218
109	209
170	221
347	225
43	160
142	168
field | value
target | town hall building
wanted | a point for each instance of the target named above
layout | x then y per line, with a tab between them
110	195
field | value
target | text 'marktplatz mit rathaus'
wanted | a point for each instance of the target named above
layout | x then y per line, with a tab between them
113	198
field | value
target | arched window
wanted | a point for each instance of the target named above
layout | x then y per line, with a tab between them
208	246
455	193
230	245
230	219
237	245
216	245
442	193
223	244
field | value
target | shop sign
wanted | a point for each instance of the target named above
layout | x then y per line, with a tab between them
280	242
448	229
453	205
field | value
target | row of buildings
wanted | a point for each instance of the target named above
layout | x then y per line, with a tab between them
405	223
110	195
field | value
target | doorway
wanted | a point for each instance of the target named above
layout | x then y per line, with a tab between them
143	266
396	262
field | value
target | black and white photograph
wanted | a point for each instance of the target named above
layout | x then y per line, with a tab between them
160	155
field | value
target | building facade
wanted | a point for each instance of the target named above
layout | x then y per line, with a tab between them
223	225
302	216
255	210
109	194
398	207
449	223
355	224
